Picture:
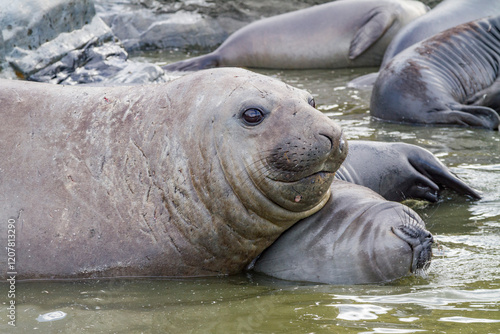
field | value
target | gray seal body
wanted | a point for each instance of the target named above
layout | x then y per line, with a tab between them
448	79
193	177
350	33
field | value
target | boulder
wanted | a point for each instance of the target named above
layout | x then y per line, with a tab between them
64	41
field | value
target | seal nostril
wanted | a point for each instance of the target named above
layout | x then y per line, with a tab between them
329	138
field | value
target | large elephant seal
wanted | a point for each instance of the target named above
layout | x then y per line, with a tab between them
358	237
193	177
445	15
350	33
400	171
438	80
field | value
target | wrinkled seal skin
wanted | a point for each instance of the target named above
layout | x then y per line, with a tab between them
443	79
445	15
357	238
399	171
159	180
350	33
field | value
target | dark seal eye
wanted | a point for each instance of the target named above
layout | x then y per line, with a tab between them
253	116
312	102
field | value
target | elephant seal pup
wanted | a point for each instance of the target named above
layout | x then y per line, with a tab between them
438	80
445	15
357	238
350	33
193	177
399	171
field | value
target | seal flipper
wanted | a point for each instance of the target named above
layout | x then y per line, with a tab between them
434	171
477	116
402	171
489	97
210	60
380	19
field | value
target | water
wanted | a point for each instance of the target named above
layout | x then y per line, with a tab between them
461	292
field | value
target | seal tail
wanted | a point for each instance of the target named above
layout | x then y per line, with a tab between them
194	64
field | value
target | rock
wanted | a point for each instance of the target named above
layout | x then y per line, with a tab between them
27	24
189	24
64	41
36	59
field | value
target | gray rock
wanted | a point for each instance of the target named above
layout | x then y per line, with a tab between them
36	59
27	24
188	24
64	41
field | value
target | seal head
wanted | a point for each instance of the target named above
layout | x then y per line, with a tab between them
357	238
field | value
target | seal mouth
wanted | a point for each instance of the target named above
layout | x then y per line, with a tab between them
299	194
420	241
313	178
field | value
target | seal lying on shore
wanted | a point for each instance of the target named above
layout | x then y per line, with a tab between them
350	33
445	15
444	79
193	177
357	238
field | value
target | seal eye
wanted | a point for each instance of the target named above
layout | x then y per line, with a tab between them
312	102
253	116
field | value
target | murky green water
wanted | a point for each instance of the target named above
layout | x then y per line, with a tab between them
461	293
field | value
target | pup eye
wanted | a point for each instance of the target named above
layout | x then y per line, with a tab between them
312	102
252	116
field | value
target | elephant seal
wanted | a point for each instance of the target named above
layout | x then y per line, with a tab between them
357	238
192	177
399	171
441	79
350	33
445	15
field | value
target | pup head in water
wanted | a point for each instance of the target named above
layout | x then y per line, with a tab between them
357	238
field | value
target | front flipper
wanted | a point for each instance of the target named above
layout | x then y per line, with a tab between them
464	115
378	21
399	171
488	97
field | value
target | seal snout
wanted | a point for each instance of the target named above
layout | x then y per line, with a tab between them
420	241
303	157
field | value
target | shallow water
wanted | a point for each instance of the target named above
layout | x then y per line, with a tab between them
461	292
